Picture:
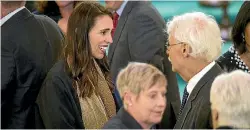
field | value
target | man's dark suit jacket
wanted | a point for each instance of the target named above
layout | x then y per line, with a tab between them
122	120
197	113
30	46
139	37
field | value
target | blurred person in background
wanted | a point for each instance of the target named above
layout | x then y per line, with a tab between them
194	42
30	45
143	90
230	104
57	10
77	92
138	37
238	56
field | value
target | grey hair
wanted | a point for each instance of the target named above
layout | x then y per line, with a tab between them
198	30
230	94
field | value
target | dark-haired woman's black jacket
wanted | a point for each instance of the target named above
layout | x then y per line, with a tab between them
230	61
64	111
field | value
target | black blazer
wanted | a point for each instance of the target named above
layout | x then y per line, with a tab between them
29	47
231	60
197	112
57	105
123	120
139	37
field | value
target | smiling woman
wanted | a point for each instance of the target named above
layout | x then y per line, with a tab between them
77	92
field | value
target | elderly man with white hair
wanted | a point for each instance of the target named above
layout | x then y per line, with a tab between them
194	43
230	104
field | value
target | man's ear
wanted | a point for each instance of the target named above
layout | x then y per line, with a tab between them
186	50
215	118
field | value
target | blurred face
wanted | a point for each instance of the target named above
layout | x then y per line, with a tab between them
149	105
64	3
113	5
100	36
247	35
174	52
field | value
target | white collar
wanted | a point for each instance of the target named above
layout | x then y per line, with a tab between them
119	11
7	17
195	79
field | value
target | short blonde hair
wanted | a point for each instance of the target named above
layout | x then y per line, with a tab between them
230	94
198	30
137	77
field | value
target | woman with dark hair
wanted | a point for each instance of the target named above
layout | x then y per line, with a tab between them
238	56
77	92
59	11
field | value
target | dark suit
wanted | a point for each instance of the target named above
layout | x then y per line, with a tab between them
30	46
197	113
122	120
139	37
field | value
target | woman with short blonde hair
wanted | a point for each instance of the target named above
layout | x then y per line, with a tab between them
142	88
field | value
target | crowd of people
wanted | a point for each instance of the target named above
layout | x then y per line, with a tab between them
82	65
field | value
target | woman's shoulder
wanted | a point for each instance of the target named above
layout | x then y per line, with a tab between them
57	76
227	60
229	54
231	60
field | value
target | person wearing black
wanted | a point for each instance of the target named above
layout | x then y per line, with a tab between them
143	90
77	92
194	43
238	55
30	45
138	37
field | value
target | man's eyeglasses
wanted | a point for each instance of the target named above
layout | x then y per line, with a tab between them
168	45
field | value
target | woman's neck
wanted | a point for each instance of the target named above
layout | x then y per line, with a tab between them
66	11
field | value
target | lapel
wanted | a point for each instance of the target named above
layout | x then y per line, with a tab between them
211	74
119	28
16	18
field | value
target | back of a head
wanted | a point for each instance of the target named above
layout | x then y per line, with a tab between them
198	30
9	6
230	94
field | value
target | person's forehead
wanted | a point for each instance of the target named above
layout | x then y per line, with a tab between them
103	20
157	87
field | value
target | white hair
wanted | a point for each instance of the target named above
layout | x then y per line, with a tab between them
230	96
198	30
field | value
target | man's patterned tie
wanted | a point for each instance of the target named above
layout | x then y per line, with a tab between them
184	100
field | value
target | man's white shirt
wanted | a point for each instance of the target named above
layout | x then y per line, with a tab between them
195	79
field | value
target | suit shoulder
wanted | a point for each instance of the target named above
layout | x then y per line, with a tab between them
45	18
48	22
146	11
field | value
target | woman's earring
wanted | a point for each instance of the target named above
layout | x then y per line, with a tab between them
243	37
